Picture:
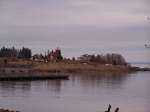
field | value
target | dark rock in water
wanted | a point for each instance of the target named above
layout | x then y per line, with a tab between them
145	69
109	107
139	69
117	109
6	110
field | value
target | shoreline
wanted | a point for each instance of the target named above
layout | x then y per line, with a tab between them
14	74
7	110
31	70
61	70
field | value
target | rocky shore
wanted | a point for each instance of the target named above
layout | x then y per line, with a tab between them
140	69
6	110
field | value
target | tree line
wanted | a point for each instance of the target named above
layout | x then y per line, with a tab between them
51	56
24	53
114	59
55	55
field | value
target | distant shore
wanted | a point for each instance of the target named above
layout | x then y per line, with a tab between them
27	69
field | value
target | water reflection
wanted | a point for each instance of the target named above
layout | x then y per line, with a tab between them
114	81
25	88
12	88
97	80
82	93
54	85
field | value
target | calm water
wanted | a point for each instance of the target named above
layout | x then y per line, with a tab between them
82	93
78	27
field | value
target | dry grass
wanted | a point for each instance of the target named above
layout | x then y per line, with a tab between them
13	62
63	67
79	68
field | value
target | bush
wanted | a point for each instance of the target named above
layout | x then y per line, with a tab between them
114	59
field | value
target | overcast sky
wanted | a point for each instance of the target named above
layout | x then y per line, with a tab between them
101	13
70	24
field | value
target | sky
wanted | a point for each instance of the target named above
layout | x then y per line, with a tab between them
77	26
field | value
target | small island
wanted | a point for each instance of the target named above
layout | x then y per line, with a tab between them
20	64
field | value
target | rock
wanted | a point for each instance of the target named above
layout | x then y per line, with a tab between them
6	110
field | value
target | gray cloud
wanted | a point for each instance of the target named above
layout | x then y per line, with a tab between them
107	25
101	13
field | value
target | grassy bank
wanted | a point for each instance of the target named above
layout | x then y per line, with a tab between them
79	68
28	66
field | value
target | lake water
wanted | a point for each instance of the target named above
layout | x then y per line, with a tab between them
78	27
82	93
